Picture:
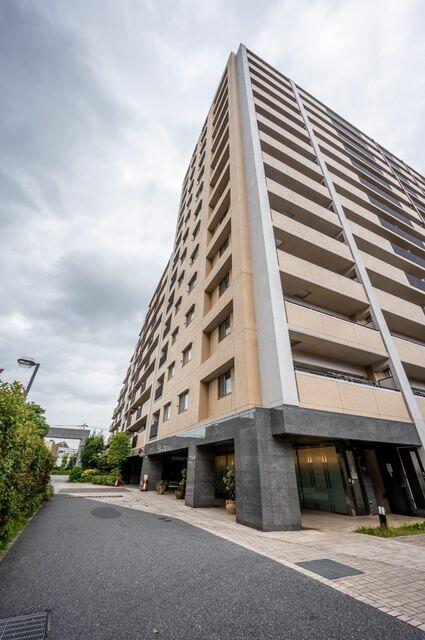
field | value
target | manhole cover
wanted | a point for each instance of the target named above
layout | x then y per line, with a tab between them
30	627
329	568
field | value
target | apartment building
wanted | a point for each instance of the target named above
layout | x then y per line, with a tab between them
287	332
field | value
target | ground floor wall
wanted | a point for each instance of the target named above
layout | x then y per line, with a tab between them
289	458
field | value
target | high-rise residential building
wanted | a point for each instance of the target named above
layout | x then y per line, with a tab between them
287	332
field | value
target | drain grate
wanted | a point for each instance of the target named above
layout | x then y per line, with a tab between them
30	627
327	568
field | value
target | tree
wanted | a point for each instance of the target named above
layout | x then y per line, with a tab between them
64	461
25	461
119	448
71	462
91	451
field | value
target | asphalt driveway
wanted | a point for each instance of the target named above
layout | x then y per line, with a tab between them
109	573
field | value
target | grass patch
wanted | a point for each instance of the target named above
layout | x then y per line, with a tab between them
393	532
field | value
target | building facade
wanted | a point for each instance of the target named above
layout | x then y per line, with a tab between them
287	332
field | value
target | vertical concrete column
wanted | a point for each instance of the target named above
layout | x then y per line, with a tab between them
200	491
266	483
153	467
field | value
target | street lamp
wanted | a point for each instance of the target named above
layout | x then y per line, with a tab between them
29	363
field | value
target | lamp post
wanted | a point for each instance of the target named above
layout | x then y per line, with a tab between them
29	363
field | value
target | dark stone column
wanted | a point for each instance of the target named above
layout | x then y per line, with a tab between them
266	484
153	467
200	490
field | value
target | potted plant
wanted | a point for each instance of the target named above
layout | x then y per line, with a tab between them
229	483
181	491
161	486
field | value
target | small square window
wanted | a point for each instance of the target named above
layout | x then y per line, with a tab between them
166	412
187	354
225	384
224	284
183	401
224	329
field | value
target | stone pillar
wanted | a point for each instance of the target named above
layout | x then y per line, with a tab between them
153	467
266	484
200	490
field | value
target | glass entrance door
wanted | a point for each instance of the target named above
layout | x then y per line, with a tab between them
320	480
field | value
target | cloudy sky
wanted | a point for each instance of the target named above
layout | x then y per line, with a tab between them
101	104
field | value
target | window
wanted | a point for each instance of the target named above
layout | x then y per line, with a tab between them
183	256
224	329
185	235
196	230
178	305
194	254
223	285
187	354
154	426
225	384
174	335
192	282
190	315
166	415
171	370
183	401
223	247
180	280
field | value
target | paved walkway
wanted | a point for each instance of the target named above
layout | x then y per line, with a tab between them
393	569
109	572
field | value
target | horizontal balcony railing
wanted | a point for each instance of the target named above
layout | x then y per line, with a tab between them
304	242
401	316
328	336
389	278
320	287
342	396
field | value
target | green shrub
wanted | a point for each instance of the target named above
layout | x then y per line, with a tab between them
91	451
108	480
119	448
25	461
229	482
59	472
75	474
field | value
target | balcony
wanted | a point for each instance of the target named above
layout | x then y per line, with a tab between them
328	336
321	287
402	317
304	242
327	394
142	393
412	356
389	278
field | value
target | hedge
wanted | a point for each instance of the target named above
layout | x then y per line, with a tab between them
25	461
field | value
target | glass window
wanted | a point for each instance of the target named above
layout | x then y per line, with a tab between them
187	354
167	412
174	335
178	305
194	254
190	315
154	426
225	384
192	282
224	284
180	280
224	329
171	370
183	401
223	247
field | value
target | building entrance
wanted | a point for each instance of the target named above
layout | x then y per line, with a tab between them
320	480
